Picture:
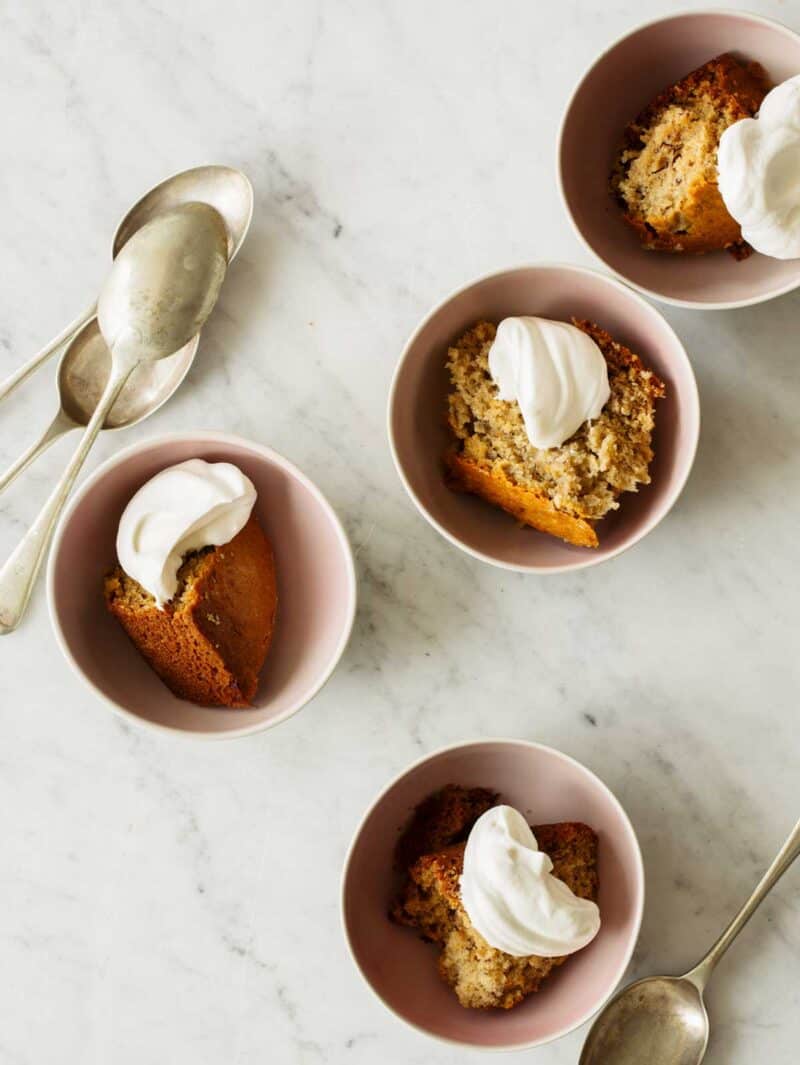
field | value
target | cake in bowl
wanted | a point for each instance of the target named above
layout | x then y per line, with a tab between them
195	586
665	176
554	427
486	889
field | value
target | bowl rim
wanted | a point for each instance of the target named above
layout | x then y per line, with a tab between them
202	437
692	406
638	869
694	305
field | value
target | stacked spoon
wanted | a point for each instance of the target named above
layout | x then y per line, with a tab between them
171	253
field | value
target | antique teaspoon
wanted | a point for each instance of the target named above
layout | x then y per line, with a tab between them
662	1020
159	293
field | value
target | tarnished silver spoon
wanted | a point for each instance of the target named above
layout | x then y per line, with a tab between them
159	293
82	375
662	1020
223	187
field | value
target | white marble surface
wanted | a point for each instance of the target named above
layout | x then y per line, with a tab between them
168	901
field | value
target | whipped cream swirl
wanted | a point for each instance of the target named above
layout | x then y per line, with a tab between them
554	371
759	173
511	896
185	507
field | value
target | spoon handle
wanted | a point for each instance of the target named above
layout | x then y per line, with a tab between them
60	424
701	973
41	357
18	575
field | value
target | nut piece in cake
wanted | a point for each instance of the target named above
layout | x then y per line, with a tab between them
210	641
481	976
566	490
665	177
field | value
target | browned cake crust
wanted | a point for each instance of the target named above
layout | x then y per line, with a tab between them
527	505
481	976
209	643
665	177
443	818
562	491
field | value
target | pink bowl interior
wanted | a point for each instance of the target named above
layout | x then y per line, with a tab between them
616	88
419	397
315	590
546	786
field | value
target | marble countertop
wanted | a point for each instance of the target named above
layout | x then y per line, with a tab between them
163	900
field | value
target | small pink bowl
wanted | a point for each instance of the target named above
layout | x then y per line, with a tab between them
619	84
419	437
316	587
546	786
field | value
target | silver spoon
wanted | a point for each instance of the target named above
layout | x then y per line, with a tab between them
82	375
662	1020
223	187
158	295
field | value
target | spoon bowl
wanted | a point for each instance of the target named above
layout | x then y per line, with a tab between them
662	1020
164	284
223	187
85	368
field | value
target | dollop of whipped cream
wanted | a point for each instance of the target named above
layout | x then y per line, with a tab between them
759	173
185	507
554	371
511	896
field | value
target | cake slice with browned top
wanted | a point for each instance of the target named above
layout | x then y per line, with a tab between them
566	490
430	901
665	177
210	641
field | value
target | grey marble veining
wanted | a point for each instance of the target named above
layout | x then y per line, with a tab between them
167	901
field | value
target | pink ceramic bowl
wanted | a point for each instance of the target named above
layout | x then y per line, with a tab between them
546	786
419	438
621	82
316	587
